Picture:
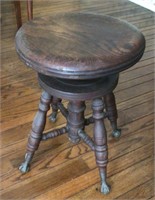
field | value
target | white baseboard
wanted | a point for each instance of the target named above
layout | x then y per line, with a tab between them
149	4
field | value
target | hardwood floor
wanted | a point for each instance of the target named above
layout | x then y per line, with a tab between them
61	170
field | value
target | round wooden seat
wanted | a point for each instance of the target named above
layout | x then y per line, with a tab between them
79	45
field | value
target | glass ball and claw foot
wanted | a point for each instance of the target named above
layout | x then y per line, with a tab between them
105	188
111	113
25	166
116	133
53	116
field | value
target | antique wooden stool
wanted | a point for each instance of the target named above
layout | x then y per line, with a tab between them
78	57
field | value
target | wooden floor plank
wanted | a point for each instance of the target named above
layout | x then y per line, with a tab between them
66	191
77	167
142	191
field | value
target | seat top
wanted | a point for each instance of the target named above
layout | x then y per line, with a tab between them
79	45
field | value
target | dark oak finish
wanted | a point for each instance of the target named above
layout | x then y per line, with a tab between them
18	12
61	170
83	90
54	105
75	119
100	139
112	115
37	130
30	9
79	46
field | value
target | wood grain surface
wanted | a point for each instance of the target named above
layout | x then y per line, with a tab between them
79	45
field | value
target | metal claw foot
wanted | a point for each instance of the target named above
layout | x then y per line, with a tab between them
53	117
116	133
105	188
24	167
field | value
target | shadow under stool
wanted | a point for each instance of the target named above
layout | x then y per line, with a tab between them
78	57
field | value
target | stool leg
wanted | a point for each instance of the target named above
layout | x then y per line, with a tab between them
100	139
111	110
30	9
18	13
54	106
36	131
75	120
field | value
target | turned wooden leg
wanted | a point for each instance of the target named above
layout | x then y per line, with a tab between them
100	139
30	9
36	131
18	13
54	106
75	120
111	110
